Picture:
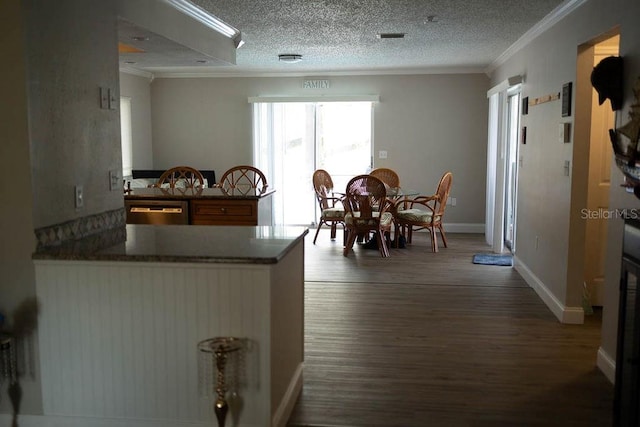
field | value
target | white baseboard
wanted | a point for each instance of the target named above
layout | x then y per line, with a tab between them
283	412
569	315
280	417
607	365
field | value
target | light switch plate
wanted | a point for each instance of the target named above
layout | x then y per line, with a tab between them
104	98
115	180
113	100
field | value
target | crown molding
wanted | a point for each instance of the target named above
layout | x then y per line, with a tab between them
210	73
138	73
557	14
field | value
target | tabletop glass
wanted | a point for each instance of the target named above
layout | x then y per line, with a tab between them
398	192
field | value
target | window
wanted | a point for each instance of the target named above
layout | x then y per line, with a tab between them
125	136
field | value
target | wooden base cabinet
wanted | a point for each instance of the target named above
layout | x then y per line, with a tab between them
208	206
224	212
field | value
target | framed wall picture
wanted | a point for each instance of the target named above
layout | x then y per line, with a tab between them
566	99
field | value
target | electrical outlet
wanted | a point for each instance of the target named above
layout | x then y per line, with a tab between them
454	201
79	197
382	154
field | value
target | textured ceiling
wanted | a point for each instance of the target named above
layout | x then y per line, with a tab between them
340	35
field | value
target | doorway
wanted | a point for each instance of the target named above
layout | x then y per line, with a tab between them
502	164
293	139
599	182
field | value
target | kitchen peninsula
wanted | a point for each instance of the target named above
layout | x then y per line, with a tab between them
120	324
198	206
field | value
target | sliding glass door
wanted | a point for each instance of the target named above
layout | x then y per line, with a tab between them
511	164
293	139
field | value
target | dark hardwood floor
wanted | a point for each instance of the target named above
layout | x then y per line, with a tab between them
424	339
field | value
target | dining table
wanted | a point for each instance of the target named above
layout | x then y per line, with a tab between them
395	195
398	195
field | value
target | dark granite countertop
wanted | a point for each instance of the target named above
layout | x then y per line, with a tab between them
181	243
195	193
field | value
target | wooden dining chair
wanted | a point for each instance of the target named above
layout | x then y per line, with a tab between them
331	208
388	176
362	195
181	177
424	212
244	179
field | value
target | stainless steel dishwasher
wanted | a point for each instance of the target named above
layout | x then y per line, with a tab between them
157	211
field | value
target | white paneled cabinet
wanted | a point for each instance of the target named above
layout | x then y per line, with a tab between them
118	340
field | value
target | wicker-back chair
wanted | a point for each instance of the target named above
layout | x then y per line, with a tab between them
331	208
367	210
388	176
181	177
425	212
243	179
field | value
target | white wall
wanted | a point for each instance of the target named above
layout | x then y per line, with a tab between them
544	200
54	135
73	141
428	124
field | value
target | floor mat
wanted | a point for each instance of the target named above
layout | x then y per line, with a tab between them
493	259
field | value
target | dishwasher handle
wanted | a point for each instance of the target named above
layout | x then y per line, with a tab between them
158	209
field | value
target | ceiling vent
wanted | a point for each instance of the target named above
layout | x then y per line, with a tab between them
391	35
290	57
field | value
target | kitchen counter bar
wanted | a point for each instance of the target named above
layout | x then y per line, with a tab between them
185	243
122	314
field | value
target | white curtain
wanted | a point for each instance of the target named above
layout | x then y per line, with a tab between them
293	138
